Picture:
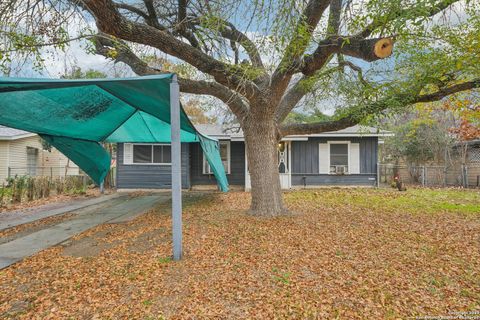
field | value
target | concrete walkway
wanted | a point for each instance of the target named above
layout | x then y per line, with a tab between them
18	217
118	209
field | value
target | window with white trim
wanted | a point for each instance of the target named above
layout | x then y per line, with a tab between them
339	158
152	154
224	155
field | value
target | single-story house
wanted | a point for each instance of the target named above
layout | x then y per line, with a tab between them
22	153
344	157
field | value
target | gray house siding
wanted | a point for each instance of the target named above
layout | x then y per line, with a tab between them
305	163
134	176
237	165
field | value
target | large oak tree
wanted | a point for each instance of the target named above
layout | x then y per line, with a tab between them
265	58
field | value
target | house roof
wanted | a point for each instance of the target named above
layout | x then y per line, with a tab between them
223	132
7	133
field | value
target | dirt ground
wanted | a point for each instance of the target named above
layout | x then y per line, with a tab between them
344	254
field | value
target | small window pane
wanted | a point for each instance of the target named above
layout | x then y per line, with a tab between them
162	154
142	154
157	154
167	154
224	151
206	167
224	156
339	149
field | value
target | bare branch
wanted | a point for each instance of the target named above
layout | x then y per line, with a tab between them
132	9
230	98
182	11
124	54
231	33
111	22
152	15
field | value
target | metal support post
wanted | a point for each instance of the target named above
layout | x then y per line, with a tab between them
176	169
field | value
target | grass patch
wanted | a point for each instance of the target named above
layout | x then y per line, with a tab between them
419	200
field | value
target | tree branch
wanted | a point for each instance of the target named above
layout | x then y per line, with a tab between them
318	127
446	91
334	17
293	96
380	21
404	98
365	49
132	9
297	46
124	54
233	34
230	98
152	15
111	22
290	99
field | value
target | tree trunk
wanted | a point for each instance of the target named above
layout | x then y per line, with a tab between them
261	145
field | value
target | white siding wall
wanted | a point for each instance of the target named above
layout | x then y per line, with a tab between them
13	154
3	161
56	159
18	151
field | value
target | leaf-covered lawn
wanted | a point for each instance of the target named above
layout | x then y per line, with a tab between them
345	253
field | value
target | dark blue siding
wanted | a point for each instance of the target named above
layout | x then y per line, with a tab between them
150	176
237	165
305	163
333	180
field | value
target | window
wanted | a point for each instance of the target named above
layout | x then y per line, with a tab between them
338	158
224	155
152	154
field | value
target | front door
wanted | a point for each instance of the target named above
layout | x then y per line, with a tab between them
284	159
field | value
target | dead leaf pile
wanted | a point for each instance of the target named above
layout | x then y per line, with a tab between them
336	258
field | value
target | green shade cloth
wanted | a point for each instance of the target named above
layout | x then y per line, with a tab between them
76	115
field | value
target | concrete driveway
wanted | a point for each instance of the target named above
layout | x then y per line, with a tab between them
82	216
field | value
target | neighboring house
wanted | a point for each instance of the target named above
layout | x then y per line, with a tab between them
21	153
344	157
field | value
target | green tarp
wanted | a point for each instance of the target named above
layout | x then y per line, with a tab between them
75	116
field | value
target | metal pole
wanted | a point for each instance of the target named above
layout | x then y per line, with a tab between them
466	176
378	175
176	169
423	176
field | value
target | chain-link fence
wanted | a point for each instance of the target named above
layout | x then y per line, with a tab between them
467	176
57	172
35	171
